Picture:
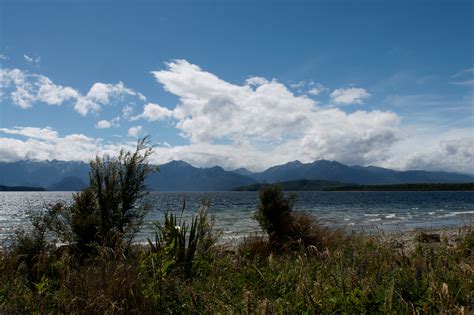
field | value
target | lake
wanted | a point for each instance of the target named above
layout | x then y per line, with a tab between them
233	211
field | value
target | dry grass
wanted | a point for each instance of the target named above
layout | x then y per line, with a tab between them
349	274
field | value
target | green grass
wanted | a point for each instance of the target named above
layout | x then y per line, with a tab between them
361	274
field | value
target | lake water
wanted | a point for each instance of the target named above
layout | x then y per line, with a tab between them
233	211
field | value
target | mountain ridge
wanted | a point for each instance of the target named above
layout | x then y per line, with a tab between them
182	176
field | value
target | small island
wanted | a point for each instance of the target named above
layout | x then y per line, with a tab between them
20	188
323	185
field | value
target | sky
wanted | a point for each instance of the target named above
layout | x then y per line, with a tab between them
240	83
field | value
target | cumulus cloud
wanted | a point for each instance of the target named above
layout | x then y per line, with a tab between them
211	108
256	81
349	96
452	150
47	144
105	94
256	124
26	89
455	155
154	112
267	121
104	124
135	131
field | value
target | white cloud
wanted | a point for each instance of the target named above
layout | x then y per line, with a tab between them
254	125
127	111
32	60
27	58
349	96
212	109
464	83
135	131
154	112
3	57
263	123
25	89
451	150
256	81
463	72
316	89
464	77
298	85
104	124
104	94
455	155
46	144
46	133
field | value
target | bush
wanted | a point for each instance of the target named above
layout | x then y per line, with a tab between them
178	243
289	230
274	214
108	212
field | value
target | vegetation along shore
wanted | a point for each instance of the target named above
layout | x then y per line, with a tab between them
80	258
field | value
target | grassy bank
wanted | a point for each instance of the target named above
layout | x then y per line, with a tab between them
350	273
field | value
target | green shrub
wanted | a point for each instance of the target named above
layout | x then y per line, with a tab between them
274	214
289	230
110	211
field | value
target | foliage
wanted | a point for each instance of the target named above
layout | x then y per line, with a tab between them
110	211
182	243
288	229
274	213
365	275
116	185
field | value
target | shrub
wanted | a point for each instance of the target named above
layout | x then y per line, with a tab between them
108	212
274	213
289	230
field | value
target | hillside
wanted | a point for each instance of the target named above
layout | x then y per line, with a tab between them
182	176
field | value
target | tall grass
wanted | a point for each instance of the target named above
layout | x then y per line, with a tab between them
363	274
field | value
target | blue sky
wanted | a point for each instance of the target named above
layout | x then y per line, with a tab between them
241	83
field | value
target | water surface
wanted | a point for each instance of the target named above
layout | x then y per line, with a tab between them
233	211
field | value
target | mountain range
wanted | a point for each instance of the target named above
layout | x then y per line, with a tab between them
182	176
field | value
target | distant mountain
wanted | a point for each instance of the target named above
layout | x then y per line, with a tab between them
41	173
244	172
73	176
181	176
370	175
69	183
20	188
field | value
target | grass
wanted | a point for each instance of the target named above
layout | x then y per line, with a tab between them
348	274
